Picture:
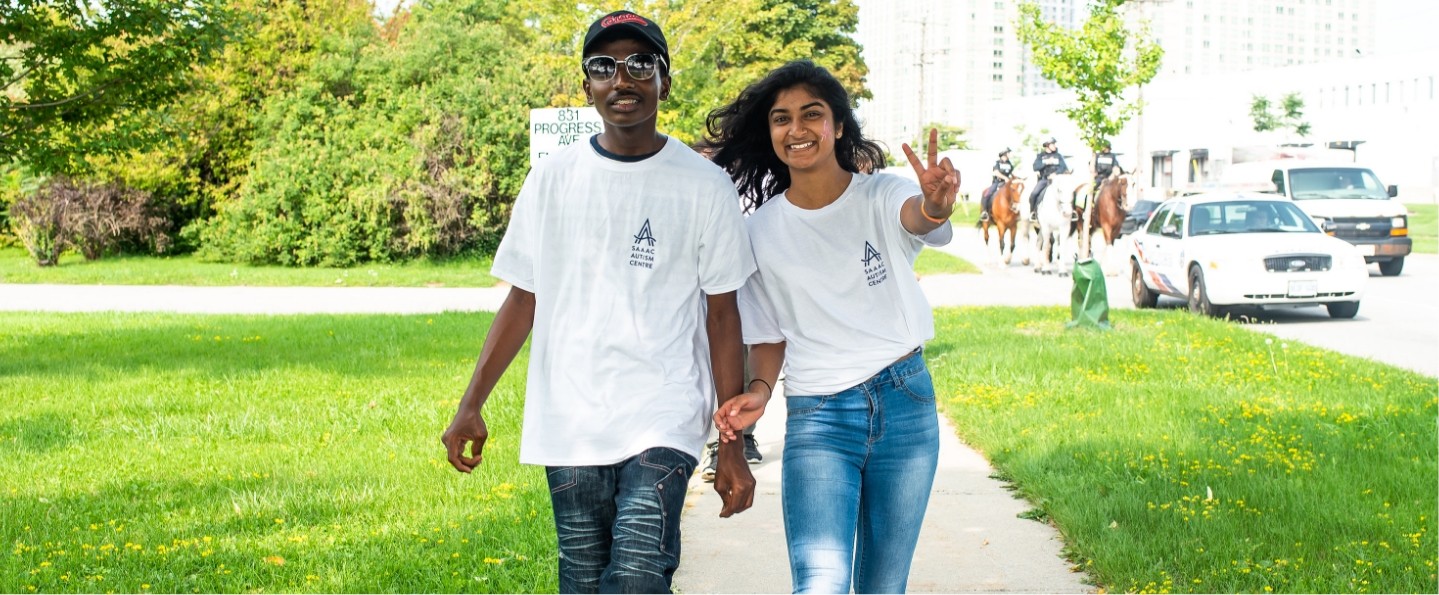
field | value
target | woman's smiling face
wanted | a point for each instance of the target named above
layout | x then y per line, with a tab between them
802	129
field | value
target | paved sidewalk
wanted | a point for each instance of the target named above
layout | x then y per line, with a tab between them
1013	285
972	539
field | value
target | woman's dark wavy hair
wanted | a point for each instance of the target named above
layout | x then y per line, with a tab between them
739	132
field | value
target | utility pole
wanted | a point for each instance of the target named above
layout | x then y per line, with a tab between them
923	38
923	58
1139	155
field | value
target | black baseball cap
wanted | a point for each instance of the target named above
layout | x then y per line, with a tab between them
623	23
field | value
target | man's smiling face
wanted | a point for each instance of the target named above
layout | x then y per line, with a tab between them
623	101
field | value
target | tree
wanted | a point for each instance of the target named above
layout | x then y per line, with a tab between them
951	138
1290	118
1098	62
1031	142
72	72
718	46
395	143
729	44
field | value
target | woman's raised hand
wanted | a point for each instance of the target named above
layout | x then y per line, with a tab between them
938	180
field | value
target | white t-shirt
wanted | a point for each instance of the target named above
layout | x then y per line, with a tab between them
837	284
620	256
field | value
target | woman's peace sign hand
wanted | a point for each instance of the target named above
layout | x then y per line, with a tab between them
939	181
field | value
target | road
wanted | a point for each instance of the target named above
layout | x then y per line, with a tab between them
1397	322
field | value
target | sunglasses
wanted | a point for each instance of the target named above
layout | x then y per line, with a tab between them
642	67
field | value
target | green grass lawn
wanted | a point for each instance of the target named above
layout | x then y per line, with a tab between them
180	453
232	454
935	262
16	266
1424	227
1181	454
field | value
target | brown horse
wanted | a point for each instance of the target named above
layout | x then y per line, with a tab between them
1106	211
1004	216
1107	215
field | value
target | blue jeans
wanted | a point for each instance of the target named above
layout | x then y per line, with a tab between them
619	525
859	463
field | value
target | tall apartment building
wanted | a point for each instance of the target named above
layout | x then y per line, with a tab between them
935	61
950	61
1222	36
1066	13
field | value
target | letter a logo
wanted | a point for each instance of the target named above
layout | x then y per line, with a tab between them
870	254
645	234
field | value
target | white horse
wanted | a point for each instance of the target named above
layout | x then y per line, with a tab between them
1055	225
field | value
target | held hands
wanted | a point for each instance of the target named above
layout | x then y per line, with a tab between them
467	428
939	181
733	479
739	413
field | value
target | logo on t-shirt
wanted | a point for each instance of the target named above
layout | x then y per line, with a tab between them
642	254
874	269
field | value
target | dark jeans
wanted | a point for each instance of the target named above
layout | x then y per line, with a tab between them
1038	192
619	525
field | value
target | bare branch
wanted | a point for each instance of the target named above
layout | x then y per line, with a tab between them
63	101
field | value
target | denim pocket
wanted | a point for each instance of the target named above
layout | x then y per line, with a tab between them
668	460
560	478
674	469
918	385
805	404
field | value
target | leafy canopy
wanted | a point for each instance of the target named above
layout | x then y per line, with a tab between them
1289	119
1098	62
73	74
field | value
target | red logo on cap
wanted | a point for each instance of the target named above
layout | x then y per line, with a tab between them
624	18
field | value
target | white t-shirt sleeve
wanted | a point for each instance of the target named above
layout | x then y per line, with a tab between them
725	257
896	191
516	256
758	322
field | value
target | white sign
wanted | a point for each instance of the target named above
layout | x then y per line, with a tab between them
553	128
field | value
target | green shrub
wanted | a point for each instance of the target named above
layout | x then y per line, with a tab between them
93	218
387	151
37	223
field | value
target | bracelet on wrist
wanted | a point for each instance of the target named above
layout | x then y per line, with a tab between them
922	213
766	385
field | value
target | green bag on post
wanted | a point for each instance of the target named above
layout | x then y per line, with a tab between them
1089	303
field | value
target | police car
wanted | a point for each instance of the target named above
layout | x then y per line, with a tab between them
1231	249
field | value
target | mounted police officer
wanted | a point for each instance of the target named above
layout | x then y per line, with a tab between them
1003	172
1048	163
1104	165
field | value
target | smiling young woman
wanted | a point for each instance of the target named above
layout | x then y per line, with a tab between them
835	303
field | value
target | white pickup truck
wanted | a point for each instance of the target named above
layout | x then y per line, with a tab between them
1347	200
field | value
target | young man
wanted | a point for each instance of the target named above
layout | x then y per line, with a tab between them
624	254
